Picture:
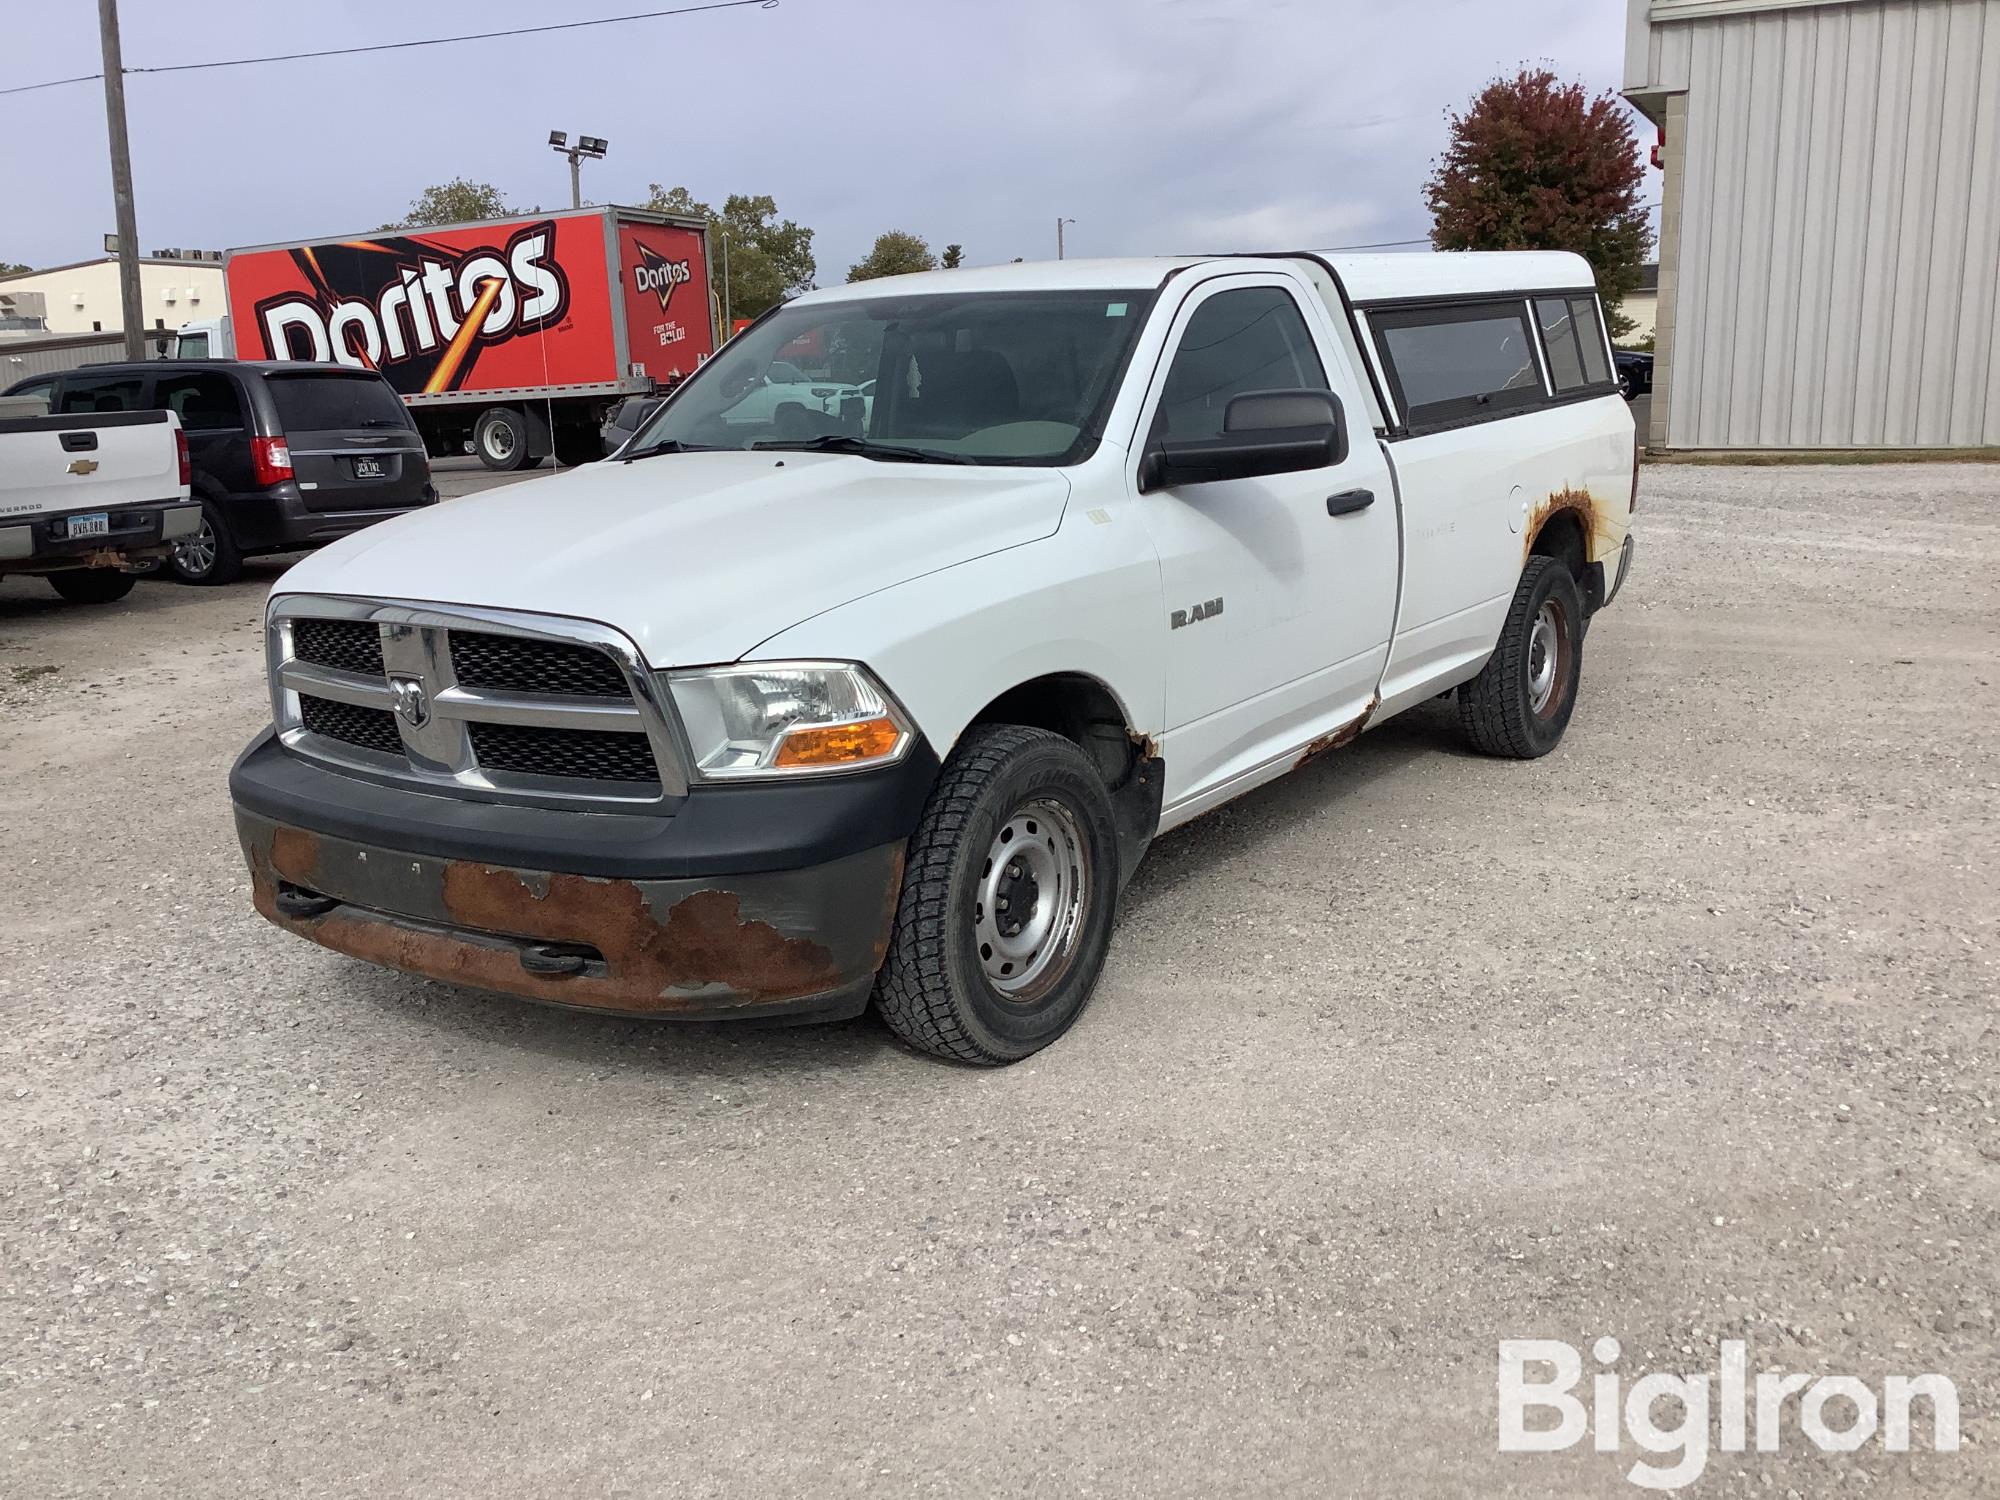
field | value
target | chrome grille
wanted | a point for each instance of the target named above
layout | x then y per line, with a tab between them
518	666
480	703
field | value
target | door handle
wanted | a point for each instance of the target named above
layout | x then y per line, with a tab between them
1347	502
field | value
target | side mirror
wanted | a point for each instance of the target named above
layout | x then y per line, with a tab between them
1263	432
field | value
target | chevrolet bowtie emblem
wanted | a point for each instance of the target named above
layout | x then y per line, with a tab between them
83	466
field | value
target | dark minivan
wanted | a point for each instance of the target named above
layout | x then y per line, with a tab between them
285	456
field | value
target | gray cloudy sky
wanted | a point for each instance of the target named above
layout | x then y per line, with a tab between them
1159	125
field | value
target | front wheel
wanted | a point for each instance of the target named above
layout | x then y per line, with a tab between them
1521	702
1008	896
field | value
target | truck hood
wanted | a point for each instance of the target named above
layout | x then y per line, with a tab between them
697	557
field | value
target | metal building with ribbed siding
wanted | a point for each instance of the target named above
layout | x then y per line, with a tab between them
1830	225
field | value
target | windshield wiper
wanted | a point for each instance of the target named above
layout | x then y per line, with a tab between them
840	442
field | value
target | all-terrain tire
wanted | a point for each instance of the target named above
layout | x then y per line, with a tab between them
934	989
1501	710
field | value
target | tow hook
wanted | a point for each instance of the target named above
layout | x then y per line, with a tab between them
559	960
300	904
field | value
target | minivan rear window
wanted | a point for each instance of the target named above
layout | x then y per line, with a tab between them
329	403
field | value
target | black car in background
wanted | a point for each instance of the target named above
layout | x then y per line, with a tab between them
1635	372
626	418
285	456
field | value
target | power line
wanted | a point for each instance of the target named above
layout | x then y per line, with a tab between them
435	41
1384	245
53	83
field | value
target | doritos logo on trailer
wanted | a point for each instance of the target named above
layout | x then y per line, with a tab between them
416	310
659	275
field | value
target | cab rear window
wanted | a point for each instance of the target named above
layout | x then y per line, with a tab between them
329	403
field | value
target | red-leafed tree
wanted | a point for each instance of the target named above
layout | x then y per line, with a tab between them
1538	164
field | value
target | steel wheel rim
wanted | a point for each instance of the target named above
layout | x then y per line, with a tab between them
500	440
196	553
1028	904
1548	654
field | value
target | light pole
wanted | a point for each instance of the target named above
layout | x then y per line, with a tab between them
591	146
1059	236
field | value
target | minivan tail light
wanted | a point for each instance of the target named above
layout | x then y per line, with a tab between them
271	459
181	453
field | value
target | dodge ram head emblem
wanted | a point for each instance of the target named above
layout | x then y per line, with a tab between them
412	706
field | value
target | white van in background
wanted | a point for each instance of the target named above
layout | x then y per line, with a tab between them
781	711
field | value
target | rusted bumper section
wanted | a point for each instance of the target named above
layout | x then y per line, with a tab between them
803	944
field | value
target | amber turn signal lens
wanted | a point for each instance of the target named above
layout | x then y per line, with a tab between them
839	744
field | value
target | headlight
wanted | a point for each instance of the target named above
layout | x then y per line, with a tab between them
795	718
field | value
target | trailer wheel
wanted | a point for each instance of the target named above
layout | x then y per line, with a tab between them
500	438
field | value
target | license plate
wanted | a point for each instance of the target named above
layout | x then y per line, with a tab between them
97	525
370	468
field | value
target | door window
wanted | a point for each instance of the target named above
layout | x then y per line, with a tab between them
1251	339
204	401
88	393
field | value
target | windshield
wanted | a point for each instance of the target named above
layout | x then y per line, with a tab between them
984	377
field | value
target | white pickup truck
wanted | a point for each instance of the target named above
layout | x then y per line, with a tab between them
886	701
87	500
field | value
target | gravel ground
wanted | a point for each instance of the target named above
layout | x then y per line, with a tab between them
1685	1033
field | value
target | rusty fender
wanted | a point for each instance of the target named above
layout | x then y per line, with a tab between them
1589	512
781	943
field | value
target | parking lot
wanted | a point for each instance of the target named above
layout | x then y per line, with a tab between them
1685	1033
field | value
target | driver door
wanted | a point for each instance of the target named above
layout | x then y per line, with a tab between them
1281	590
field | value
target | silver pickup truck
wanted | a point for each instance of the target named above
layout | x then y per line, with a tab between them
86	500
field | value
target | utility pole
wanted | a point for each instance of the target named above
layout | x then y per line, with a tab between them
1059	236
121	181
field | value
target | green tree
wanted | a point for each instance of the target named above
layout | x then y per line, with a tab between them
895	254
454	202
954	257
677	201
13	268
769	258
1538	164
